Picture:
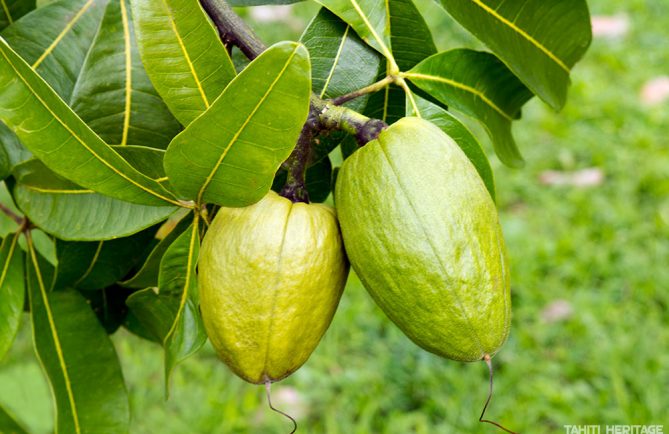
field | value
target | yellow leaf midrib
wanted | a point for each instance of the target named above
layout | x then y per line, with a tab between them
340	49
81	142
91	266
62	34
384	48
56	337
128	74
187	58
522	33
456	84
5	9
241	129
5	266
189	268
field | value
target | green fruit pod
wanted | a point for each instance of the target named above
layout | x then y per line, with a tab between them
270	279
423	234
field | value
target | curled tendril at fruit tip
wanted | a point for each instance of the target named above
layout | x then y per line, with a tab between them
268	386
487	360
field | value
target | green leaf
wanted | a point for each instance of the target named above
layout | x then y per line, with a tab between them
317	180
479	85
58	50
183	55
229	155
97	265
340	61
78	358
410	37
113	94
369	18
147	276
170	315
5	162
462	136
12	291
7	224
178	283
148	161
12	10
8	423
540	41
151	315
16	152
70	212
58	137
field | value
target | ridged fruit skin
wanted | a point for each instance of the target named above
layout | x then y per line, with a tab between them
423	234
270	279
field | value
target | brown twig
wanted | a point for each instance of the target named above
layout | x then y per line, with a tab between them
232	29
11	214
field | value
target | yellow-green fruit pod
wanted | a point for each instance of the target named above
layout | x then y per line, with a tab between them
270	278
423	234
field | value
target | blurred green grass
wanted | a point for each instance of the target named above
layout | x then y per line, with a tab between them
604	250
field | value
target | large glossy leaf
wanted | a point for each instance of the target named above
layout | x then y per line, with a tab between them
16	152
170	313
97	265
183	55
12	10
540	41
113	94
12	147
479	85
71	212
147	276
58	137
8	225
178	283
340	62
229	155
11	291
410	37
5	163
78	358
58	50
148	161
369	18
462	136
151	316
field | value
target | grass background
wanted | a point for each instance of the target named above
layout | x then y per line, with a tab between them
603	251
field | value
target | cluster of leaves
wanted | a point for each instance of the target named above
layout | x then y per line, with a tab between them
126	123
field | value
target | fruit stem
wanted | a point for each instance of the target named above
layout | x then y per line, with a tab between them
333	117
488	362
296	165
374	87
268	387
